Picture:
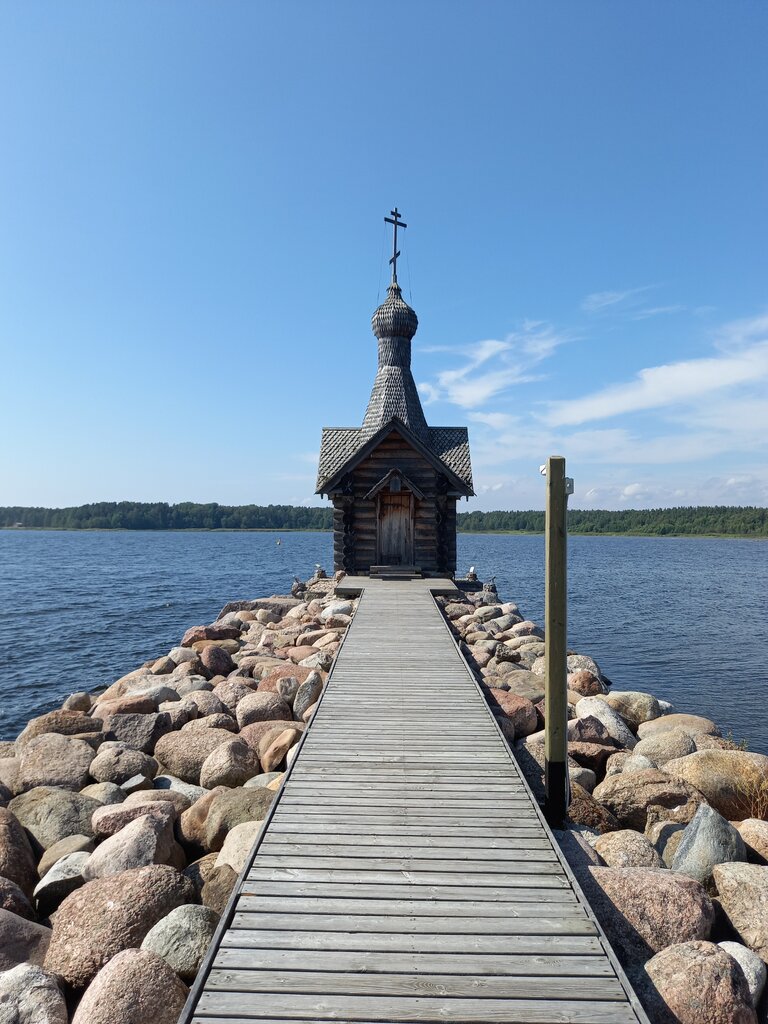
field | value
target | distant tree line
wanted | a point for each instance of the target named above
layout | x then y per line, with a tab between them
135	515
655	522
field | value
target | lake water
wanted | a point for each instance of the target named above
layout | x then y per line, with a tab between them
684	619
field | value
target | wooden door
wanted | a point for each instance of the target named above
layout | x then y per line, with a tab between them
395	529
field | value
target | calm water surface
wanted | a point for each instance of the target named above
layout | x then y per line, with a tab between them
685	619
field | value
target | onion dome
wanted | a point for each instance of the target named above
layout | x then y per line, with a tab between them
394	318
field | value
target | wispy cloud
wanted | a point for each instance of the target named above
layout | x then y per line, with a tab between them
598	301
501	364
646	314
744	360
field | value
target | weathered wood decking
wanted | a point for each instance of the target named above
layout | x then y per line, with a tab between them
405	873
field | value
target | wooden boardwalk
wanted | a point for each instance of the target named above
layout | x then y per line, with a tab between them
405	872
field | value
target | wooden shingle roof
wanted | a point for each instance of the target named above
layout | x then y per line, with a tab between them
339	445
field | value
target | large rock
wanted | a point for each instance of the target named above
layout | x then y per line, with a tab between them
50	814
138	731
231	691
754	832
518	710
71	844
28	995
104	792
170	784
54	760
147	840
130	704
13	898
217	631
183	753
665	837
634	706
589	730
591	755
308	693
634	796
584	810
207	703
708	840
190	828
665	746
627	849
182	938
692	724
216	660
21	941
64	877
17	861
274	746
752	967
644	910
148	797
216	720
135	987
585	683
218	887
231	764
262	707
743	893
109	915
232	807
109	820
238	845
696	983
253	734
616	727
63	723
734	782
269	681
116	762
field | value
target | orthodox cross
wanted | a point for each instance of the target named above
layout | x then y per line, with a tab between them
398	223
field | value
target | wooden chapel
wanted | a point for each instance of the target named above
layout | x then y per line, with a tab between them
395	481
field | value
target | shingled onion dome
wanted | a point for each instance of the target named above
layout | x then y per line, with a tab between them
394	318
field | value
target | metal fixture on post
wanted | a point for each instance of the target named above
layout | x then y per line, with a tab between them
556	781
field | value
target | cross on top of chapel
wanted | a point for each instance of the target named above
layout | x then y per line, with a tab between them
397	222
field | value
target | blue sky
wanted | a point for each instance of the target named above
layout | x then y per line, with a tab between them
191	204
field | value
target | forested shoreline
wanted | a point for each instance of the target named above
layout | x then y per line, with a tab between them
721	520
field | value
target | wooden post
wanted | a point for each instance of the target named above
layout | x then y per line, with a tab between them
556	782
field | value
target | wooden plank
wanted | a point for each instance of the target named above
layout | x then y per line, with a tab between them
381	942
408	863
241	1007
274	848
415	925
545	880
462	909
525	840
496	964
402	890
415	985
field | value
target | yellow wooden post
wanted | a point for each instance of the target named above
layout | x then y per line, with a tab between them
556	782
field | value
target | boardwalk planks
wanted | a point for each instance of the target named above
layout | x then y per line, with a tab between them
405	874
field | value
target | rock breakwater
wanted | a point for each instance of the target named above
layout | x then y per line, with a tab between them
668	821
127	815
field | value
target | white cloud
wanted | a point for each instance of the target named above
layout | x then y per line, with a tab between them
598	301
646	314
495	420
667	385
506	363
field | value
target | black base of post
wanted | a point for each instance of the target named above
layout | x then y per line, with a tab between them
556	788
